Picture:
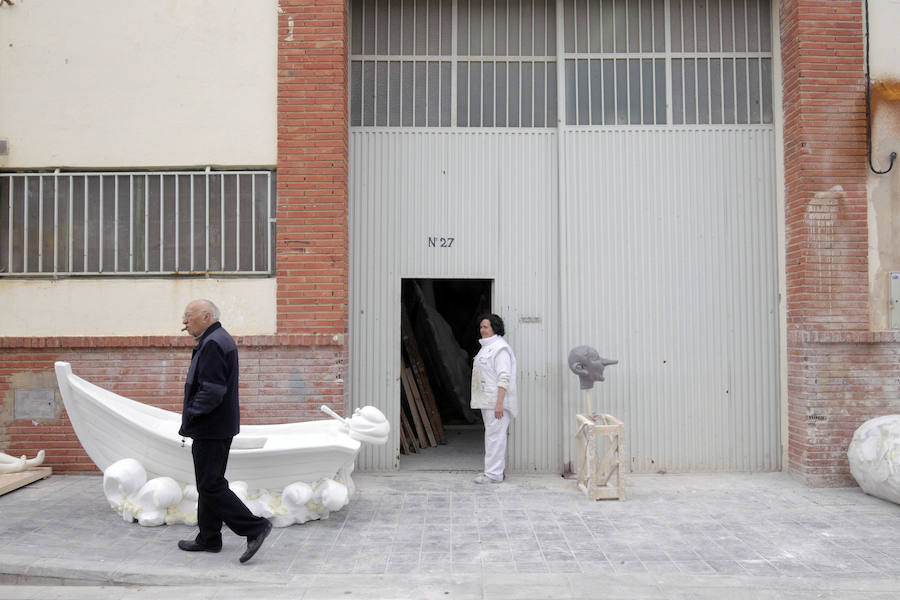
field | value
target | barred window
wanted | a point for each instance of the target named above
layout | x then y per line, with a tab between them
493	63
507	63
721	61
147	223
419	63
716	53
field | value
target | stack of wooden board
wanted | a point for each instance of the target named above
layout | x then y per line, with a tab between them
420	421
12	481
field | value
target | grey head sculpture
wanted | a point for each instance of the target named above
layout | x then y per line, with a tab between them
588	365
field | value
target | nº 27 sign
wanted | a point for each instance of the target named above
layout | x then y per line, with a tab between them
439	242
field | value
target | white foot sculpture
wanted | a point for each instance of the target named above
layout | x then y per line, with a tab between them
11	464
874	456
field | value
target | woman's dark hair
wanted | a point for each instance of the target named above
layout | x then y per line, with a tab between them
495	321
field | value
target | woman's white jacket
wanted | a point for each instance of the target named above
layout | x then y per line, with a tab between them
494	367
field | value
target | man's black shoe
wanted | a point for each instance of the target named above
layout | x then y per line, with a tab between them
193	546
253	544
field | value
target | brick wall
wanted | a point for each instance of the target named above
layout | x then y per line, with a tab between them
313	268
839	373
282	379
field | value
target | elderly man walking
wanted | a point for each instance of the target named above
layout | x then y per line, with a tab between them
212	418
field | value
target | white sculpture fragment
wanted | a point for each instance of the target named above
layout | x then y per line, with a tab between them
154	499
186	510
162	500
332	495
874	456
294	498
12	464
368	424
121	480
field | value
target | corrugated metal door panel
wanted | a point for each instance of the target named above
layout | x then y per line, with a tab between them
408	186
375	290
526	294
670	267
447	201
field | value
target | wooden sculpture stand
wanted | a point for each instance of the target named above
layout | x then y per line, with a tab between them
601	455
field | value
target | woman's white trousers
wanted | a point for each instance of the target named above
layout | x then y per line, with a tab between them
495	435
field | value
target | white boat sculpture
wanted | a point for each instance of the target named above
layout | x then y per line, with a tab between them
264	459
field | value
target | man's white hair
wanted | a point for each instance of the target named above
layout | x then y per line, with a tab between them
208	305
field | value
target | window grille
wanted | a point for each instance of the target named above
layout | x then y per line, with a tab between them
401	60
468	63
507	63
721	61
493	63
716	55
140	223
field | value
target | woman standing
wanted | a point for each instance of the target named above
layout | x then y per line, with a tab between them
494	392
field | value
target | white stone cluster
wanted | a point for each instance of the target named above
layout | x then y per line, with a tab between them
874	456
162	500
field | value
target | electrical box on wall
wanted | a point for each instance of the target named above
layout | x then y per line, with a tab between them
895	301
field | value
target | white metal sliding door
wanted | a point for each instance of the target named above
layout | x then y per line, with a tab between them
610	165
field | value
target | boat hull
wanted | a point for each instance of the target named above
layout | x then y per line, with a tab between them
111	427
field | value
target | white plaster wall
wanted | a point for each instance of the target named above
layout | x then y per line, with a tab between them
100	307
128	83
884	189
884	43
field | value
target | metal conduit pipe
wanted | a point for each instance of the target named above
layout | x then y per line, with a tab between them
893	155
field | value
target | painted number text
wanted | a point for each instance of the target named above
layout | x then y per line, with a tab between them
439	242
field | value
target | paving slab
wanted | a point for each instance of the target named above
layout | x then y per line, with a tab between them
438	535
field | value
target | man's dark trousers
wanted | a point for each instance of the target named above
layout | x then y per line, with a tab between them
217	503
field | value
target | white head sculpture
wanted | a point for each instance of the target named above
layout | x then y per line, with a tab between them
587	363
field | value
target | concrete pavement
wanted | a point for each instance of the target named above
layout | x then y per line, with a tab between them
438	535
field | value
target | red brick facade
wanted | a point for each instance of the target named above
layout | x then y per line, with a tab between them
313	132
839	372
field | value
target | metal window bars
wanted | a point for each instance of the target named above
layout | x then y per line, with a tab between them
492	63
137	223
466	63
651	62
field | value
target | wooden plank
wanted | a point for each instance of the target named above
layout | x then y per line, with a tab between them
421	376
417	421
13	481
404	445
417	403
407	439
419	411
407	432
430	404
406	428
411	439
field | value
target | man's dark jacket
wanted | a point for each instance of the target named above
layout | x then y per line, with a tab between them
211	392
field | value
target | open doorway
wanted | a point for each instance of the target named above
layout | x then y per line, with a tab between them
439	339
